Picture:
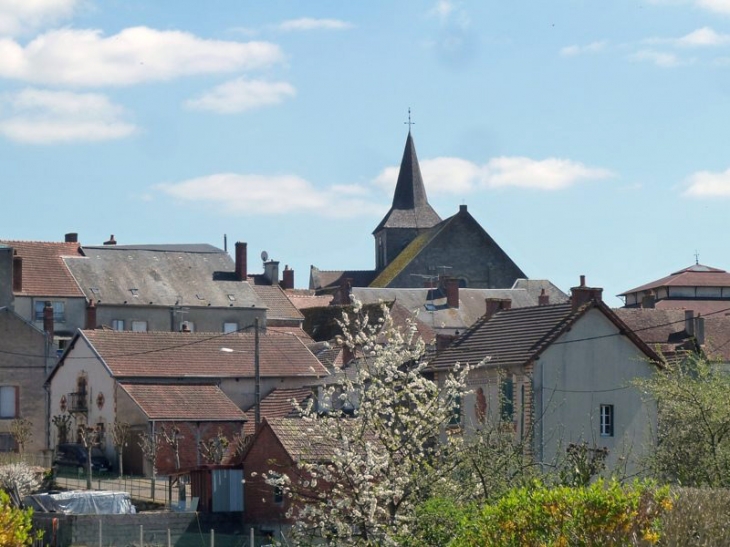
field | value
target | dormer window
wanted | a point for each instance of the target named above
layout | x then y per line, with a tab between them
135	292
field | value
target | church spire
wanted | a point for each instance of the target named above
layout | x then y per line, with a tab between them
410	208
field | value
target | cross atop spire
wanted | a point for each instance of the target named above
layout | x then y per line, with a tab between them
409	122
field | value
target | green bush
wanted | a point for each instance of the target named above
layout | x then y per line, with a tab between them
603	513
700	518
15	524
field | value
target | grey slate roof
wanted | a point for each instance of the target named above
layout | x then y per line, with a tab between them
165	275
410	208
331	279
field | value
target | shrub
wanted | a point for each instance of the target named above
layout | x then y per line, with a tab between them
15	524
701	518
603	513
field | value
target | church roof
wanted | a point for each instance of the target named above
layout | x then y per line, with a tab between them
410	208
696	275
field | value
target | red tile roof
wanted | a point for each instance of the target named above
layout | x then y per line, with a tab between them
696	275
304	301
278	304
44	273
199	355
278	404
184	402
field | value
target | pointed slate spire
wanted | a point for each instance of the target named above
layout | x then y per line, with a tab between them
410	208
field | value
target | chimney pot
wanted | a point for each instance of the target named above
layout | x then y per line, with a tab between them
91	315
287	281
582	280
72	237
241	261
582	294
111	240
543	299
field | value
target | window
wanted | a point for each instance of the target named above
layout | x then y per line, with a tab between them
117	324
507	407
59	311
139	326
8	402
606	420
230	327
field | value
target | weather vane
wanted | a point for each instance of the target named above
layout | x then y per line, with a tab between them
409	122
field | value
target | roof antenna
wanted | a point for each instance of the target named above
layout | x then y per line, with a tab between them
697	257
409	122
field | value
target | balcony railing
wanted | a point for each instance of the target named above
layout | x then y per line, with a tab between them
78	402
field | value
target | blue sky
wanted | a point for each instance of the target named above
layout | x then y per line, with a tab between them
586	137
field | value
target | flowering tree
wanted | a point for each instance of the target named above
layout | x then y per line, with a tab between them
367	473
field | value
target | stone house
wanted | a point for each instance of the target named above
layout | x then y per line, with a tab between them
558	374
107	375
26	356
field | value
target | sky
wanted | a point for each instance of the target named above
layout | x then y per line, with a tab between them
585	137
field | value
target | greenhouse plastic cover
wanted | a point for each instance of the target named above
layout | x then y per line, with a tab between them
82	502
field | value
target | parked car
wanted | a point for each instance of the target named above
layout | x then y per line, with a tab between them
74	455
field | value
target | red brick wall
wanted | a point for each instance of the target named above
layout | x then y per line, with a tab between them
188	442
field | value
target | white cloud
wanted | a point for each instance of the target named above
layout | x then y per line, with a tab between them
234	193
240	95
717	6
45	117
593	47
443	9
705	184
459	176
308	23
704	36
134	55
20	16
665	60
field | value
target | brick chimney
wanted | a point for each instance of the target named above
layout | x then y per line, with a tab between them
287	278
443	341
452	292
48	320
17	272
345	291
91	315
185	328
111	240
347	355
6	276
543	299
582	294
72	237
497	304
241	261
689	322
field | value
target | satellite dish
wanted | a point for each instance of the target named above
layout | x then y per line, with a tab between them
264	256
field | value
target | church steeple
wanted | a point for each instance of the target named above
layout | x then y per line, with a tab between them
409	215
410	208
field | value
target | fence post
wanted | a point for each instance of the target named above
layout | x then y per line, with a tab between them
212	537
141	536
101	541
169	539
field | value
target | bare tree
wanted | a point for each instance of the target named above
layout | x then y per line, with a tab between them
22	431
63	426
120	437
89	438
172	437
150	444
214	449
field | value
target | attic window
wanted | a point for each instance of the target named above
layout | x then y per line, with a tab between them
232	298
95	290
135	292
430	307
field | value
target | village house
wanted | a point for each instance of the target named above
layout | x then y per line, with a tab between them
204	380
558	374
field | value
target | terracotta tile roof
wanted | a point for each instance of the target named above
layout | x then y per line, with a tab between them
516	336
199	355
329	354
183	402
44	273
696	275
280	306
298	332
278	404
302	301
304	440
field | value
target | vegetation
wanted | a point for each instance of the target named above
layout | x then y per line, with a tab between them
15	524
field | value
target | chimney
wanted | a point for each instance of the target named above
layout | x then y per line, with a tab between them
185	328
452	292
648	301
48	320
543	299
700	330
443	341
689	322
17	273
111	241
241	261
345	291
271	272
72	237
462	208
7	278
497	304
347	355
91	315
287	278
582	294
